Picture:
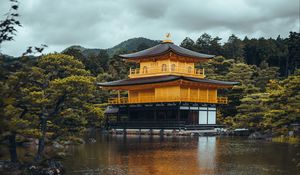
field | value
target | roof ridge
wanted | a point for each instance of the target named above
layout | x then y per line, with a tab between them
163	48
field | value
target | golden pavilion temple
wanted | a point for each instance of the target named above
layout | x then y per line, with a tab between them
166	91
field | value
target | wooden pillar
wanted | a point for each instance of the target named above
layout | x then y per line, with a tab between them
216	97
207	97
169	66
189	94
119	96
155	114
178	114
128	98
178	118
118	116
198	94
128	113
180	97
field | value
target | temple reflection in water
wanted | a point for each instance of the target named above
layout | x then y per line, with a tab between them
150	155
207	153
154	155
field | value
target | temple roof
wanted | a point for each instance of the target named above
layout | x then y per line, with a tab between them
161	79
166	47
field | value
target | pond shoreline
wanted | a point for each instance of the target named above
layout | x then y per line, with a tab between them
295	139
178	132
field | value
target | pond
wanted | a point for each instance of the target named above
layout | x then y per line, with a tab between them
168	155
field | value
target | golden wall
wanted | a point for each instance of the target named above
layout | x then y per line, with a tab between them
168	62
173	93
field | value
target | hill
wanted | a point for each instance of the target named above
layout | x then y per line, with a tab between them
130	45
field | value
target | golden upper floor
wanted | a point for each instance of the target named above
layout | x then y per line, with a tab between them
166	59
166	67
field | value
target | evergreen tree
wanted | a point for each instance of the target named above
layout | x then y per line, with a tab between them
203	43
10	23
188	43
61	96
215	46
294	52
264	74
251	111
17	118
234	48
283	104
250	53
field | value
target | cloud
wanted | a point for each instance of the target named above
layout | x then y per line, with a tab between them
103	24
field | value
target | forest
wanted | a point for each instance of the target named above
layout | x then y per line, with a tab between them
54	98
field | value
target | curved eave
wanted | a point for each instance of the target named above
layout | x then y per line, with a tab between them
163	79
164	48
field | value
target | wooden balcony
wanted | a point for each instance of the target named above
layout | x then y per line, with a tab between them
152	99
156	71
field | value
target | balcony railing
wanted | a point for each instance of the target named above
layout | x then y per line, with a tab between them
152	99
122	100
153	71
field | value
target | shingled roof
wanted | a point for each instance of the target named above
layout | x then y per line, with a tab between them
161	79
166	47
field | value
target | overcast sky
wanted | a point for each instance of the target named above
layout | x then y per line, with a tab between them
105	23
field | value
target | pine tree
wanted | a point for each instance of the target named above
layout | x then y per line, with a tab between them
251	111
188	43
61	95
283	104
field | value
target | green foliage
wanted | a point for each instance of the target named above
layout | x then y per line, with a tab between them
283	104
118	68
10	23
66	89
274	109
234	48
293	61
264	74
260	101
205	44
94	115
280	52
16	118
251	111
53	98
217	67
188	43
60	66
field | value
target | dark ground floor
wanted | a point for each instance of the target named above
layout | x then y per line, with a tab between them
162	116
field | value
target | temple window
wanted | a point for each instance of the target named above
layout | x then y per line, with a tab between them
145	70
173	66
164	68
